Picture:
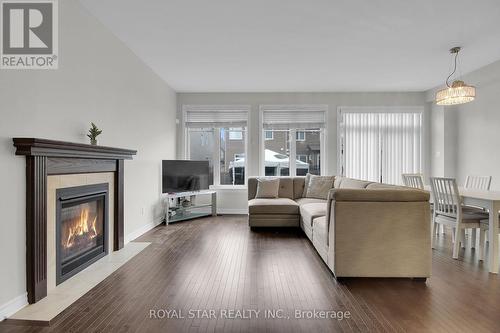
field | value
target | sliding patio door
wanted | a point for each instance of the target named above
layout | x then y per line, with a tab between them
379	145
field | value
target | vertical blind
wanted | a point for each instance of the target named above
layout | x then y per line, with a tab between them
381	146
401	145
362	146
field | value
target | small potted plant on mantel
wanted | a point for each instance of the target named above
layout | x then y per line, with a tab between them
94	132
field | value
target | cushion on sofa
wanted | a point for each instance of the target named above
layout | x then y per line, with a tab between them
338	181
267	188
310	211
286	188
273	206
318	186
298	186
379	186
306	185
252	187
353	183
305	201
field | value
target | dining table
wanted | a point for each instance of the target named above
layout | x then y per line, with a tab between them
490	201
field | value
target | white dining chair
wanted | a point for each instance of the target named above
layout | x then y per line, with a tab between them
477	183
449	211
414	180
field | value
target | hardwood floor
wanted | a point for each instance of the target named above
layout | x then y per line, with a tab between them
219	263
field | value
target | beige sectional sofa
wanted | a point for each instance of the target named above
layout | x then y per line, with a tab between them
363	229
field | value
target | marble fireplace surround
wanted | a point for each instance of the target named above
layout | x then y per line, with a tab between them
55	164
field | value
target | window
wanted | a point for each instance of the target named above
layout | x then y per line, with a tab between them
302	166
232	170
309	152
277	154
201	146
211	135
380	145
235	134
302	158
298	136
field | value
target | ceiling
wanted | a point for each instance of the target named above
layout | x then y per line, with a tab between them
298	45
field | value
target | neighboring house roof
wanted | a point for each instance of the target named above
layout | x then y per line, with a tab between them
272	159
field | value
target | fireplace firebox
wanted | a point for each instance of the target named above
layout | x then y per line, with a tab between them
81	228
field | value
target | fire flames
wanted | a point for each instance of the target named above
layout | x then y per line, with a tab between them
83	227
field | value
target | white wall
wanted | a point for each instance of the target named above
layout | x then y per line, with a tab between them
99	79
450	142
443	141
333	100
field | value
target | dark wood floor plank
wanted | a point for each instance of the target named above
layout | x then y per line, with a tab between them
218	263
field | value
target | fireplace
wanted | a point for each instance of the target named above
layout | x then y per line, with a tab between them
81	228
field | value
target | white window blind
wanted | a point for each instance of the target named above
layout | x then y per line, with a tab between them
401	142
293	117
212	116
380	146
361	151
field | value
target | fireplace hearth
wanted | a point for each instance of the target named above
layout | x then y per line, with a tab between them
81	228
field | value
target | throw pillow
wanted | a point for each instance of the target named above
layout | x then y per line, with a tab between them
319	186
267	188
306	185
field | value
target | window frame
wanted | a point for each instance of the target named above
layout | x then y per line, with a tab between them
217	132
216	155
302	155
297	132
292	136
265	135
187	151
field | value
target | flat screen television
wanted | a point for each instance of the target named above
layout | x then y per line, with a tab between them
185	176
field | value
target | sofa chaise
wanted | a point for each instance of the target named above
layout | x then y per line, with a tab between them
361	228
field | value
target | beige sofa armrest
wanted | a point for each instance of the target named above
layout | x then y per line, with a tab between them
378	195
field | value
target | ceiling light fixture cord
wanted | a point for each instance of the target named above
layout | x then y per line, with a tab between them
454	70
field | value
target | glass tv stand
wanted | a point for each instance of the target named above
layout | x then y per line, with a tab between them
183	206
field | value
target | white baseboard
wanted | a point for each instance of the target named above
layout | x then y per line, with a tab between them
142	230
235	211
12	306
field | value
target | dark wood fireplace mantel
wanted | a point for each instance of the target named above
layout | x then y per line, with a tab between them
48	157
52	148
